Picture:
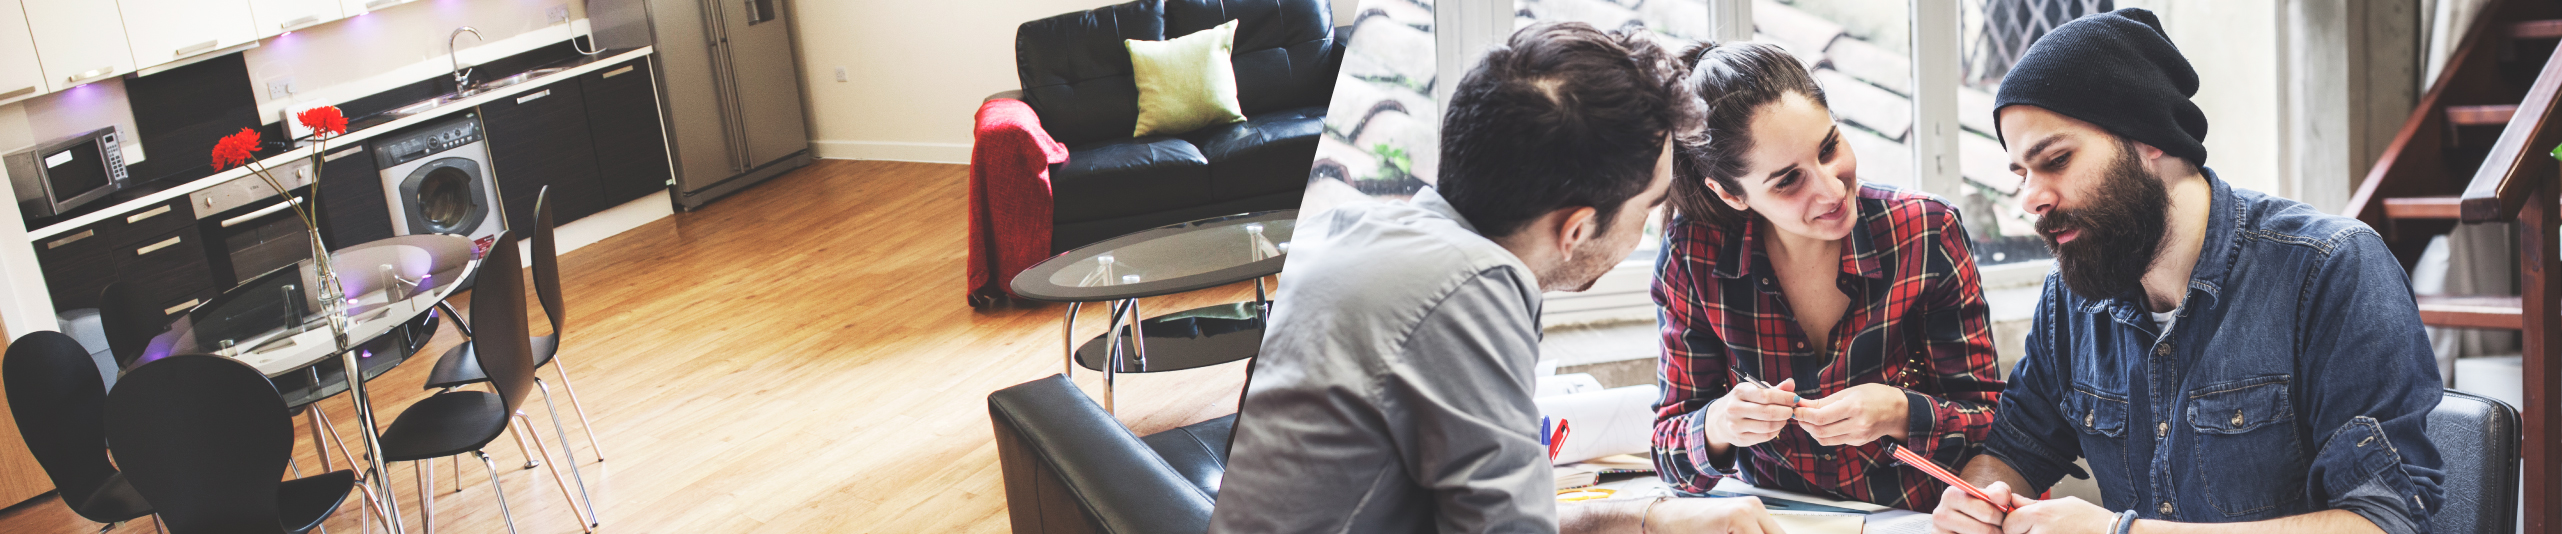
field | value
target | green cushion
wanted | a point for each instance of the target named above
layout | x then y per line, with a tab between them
1186	83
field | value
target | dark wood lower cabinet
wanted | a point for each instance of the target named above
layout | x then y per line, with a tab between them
540	138
631	148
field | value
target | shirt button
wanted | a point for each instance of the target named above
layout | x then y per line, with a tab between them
1801	344
2163	430
2163	349
2167	509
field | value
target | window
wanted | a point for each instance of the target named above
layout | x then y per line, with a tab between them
1910	80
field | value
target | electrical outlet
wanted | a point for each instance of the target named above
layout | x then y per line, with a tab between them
840	74
559	13
280	88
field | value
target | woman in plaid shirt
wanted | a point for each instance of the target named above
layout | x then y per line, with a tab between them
1773	237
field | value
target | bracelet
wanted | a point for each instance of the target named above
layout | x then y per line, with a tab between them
1647	513
2125	523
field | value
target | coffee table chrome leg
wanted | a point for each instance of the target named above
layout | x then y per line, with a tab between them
1260	301
1067	337
1138	339
1112	344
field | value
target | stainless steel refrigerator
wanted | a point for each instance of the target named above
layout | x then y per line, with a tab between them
730	87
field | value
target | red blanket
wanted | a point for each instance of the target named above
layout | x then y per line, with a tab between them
1009	196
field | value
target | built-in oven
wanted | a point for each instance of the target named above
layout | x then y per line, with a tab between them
249	228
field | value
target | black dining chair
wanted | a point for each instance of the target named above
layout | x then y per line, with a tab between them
59	401
454	422
458	367
2477	439
205	439
131	318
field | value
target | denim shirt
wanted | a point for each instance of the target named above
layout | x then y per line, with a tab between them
2296	378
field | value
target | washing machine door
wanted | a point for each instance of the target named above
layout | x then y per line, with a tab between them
446	196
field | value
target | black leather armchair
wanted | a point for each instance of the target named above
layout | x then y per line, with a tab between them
2477	438
1072	468
1076	76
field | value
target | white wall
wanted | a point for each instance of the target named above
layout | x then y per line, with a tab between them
915	71
2234	47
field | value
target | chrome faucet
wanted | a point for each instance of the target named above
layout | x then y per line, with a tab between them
462	76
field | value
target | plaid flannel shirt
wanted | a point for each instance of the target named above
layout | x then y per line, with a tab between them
1914	296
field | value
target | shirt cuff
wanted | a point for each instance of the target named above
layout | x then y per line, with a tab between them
1921	427
1711	464
2378	484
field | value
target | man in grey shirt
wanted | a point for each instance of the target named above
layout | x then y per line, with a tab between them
1394	388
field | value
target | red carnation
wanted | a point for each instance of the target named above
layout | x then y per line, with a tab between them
323	120
235	149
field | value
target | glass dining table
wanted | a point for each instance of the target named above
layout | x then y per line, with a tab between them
273	323
1165	260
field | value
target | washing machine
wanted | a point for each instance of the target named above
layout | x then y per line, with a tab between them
436	180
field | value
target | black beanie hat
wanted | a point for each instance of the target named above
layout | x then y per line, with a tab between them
2117	70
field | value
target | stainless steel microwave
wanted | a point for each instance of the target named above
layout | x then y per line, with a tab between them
63	174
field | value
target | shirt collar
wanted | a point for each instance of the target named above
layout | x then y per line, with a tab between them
1860	256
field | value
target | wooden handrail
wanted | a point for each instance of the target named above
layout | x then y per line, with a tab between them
2518	162
2412	164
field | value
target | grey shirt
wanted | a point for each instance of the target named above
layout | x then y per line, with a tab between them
1393	393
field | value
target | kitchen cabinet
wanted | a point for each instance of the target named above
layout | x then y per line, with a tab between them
164	31
20	75
157	247
540	138
360	7
631	148
353	208
275	17
78	42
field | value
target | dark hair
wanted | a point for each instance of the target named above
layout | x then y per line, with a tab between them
1560	116
1735	80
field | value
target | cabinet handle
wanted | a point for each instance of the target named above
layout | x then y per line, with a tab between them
58	243
532	97
335	156
155	212
291	24
182	306
608	74
154	247
194	48
30	89
378	4
90	75
262	212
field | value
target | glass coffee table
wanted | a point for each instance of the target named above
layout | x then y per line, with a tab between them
1158	261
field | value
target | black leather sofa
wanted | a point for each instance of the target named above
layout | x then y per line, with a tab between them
1076	76
1072	468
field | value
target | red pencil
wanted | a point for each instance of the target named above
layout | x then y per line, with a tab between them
1935	471
1557	443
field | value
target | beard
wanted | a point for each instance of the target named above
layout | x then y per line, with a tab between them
1592	258
2121	231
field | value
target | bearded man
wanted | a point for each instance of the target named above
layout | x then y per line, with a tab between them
2227	361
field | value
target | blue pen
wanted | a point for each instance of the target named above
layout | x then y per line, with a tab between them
1543	431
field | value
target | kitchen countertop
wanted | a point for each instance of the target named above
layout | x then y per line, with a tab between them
582	67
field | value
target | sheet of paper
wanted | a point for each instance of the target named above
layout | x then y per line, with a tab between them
1603	423
1818	522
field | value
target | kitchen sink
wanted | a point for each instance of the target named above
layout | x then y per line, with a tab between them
514	79
431	104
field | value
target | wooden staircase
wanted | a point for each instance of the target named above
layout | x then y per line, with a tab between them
2478	149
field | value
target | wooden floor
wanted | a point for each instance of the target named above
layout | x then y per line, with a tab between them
797	358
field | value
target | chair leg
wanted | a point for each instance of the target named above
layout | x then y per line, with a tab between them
318	448
457	317
157	526
528	428
563	433
499	490
458	476
531	460
562	368
426	494
325	422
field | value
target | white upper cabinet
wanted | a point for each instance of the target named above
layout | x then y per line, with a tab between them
78	41
21	76
169	30
279	16
357	7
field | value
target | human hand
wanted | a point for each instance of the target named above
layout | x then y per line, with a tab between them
2069	515
1856	416
1962	513
1749	415
1724	515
